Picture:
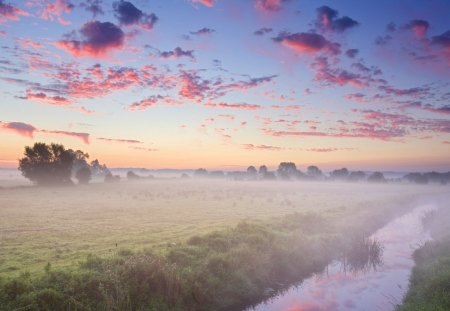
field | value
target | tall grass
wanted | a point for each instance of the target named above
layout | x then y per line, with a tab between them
223	270
430	280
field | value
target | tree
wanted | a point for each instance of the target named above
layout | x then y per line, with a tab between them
110	178
83	175
357	176
47	164
252	172
286	170
376	177
340	174
132	175
314	171
262	170
201	172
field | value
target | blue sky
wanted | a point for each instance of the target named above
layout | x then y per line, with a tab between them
229	83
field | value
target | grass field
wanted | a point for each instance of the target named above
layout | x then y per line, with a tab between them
63	225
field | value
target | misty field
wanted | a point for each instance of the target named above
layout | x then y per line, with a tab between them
63	225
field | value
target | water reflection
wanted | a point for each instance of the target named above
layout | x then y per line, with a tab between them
371	275
364	254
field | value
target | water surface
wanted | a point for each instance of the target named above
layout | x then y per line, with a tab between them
378	287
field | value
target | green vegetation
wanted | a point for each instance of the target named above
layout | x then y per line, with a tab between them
223	269
430	281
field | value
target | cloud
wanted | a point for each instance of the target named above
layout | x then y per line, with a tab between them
262	31
128	15
351	53
327	149
307	43
28	130
242	106
327	19
203	31
54	10
208	3
414	92
261	147
93	6
122	141
20	128
357	97
46	99
99	38
328	75
83	136
143	148
192	86
269	5
419	27
146	103
177	53
9	12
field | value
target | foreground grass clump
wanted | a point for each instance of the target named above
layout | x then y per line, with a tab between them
224	270
430	281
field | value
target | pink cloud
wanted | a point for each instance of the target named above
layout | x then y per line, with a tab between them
83	136
99	38
208	3
261	147
122	141
242	106
269	5
30	43
28	130
44	98
9	12
146	103
54	10
307	43
20	128
419	27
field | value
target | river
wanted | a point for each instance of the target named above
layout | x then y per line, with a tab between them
379	286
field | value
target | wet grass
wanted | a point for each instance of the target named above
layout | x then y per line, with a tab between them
430	280
64	225
223	270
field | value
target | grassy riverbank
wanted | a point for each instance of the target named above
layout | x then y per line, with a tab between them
430	280
227	268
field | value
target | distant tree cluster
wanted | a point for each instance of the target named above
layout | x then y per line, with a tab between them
289	171
53	164
430	177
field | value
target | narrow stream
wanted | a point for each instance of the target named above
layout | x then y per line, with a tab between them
377	287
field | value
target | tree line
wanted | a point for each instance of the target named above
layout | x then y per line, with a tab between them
53	164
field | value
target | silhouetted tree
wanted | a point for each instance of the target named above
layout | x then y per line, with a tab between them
287	170
132	175
201	172
47	164
340	174
110	178
252	172
262	170
357	176
376	177
314	171
217	174
99	169
83	175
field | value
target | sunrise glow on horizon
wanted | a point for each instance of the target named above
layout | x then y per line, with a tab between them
224	84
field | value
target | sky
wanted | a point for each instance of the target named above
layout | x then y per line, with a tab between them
224	84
